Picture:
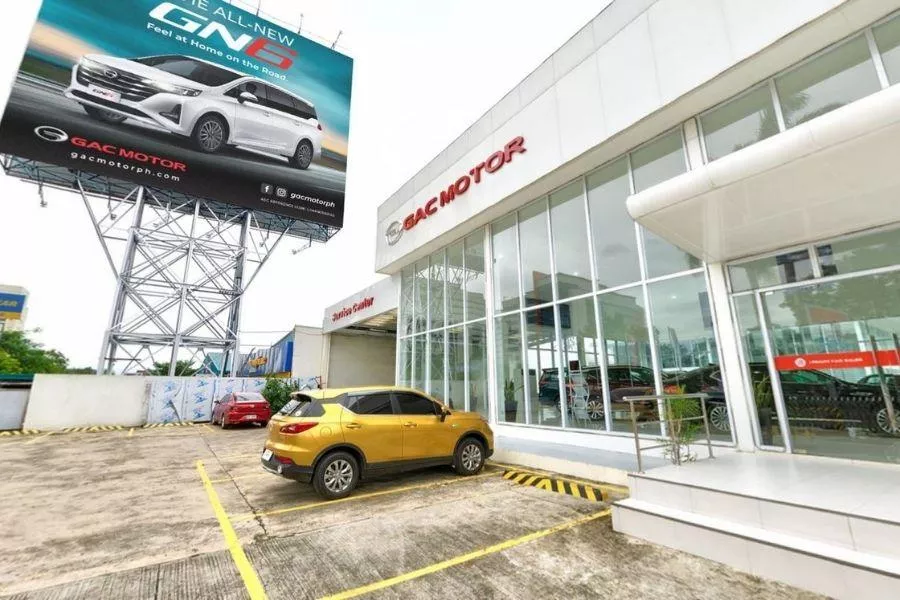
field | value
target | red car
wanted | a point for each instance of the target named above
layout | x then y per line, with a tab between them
241	407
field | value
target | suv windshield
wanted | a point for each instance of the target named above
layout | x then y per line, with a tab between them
192	69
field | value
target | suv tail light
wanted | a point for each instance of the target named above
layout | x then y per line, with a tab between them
295	428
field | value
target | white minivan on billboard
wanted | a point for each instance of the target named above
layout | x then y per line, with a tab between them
213	106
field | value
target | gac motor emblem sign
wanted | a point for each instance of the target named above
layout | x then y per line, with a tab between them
394	233
51	134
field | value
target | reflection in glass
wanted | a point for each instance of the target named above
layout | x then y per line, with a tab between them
419	356
665	259
535	245
838	77
789	267
474	280
887	37
506	275
582	354
852	328
456	276
510	369
478	368
612	228
406	301
739	123
658	161
436	283
406	363
570	244
627	344
543	367
421	296
872	251
436	355
686	345
456	368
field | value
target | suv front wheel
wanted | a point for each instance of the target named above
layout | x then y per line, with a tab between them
336	476
469	457
210	134
303	155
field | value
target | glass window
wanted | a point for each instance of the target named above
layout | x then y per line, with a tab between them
478	378
436	356
887	37
772	270
827	82
872	251
406	301
406	362
419	348
665	259
582	356
456	279
420	287
373	404
627	345
414	404
510	370
436	283
658	161
570	244
543	360
506	276
739	123
615	242
456	366
686	345
474	277
535	245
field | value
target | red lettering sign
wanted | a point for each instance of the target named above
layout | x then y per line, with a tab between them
494	163
349	310
837	360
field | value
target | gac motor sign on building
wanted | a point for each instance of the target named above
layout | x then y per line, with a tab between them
196	96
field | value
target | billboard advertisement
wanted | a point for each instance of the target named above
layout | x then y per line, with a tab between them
11	306
196	96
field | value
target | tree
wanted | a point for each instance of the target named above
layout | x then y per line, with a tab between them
183	368
278	392
18	354
82	371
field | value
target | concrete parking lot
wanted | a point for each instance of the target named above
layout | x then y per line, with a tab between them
187	513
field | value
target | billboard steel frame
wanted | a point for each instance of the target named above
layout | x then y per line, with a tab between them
185	267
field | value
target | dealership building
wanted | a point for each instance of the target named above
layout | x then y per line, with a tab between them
686	196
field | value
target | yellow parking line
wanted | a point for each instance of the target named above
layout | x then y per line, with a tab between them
575	490
595	484
560	486
421	486
531	480
248	574
589	492
131	432
392	581
520	478
40	437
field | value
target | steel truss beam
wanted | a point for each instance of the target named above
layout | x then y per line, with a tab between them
185	264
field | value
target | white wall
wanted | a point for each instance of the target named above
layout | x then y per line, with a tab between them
638	69
12	407
308	351
59	401
361	359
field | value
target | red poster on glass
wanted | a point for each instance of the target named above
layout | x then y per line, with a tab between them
837	360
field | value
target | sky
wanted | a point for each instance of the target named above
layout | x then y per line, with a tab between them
423	73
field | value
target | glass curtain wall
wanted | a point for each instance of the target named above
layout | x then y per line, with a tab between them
442	328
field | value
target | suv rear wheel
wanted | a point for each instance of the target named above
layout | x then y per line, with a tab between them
210	134
336	476
303	155
469	457
102	115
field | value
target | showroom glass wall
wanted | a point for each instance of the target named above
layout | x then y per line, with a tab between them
442	329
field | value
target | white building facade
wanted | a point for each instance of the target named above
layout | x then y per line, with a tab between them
687	196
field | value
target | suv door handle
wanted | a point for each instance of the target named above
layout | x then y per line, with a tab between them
410	424
353	425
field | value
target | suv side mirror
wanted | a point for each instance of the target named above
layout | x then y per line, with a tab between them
248	97
444	414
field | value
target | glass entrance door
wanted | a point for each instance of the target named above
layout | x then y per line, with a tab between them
833	364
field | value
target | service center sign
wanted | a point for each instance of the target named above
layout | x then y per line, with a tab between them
197	96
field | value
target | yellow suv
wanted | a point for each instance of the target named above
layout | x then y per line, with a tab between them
334	437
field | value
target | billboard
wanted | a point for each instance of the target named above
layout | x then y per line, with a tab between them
11	306
196	96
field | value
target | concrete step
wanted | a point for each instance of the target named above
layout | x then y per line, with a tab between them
817	566
855	532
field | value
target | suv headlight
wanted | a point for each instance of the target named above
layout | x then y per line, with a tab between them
173	89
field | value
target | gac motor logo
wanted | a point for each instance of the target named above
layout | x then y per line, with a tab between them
494	163
394	233
51	134
262	48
